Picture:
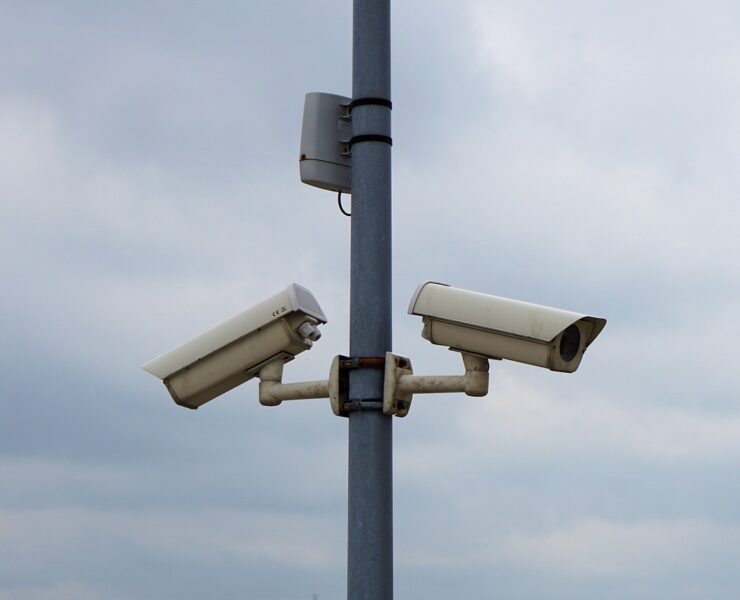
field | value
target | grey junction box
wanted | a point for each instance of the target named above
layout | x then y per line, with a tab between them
325	160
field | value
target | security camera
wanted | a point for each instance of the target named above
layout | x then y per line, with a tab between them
501	328
226	356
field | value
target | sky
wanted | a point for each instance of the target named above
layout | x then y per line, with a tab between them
577	154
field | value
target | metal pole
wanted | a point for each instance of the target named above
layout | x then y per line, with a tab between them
370	494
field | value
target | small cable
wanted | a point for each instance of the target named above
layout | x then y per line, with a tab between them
339	202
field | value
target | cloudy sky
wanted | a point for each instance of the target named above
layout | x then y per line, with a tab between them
581	154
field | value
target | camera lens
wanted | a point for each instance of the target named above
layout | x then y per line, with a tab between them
569	343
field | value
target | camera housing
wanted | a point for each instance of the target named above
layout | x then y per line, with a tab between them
501	328
276	329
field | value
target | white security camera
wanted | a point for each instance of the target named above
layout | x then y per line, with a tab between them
226	356
501	328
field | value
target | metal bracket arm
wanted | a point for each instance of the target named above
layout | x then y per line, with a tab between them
473	383
401	384
399	387
273	391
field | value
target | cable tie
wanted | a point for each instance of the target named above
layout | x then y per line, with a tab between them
369	137
369	101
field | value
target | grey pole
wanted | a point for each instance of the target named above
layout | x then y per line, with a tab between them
370	494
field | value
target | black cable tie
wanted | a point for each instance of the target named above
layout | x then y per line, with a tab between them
369	137
369	101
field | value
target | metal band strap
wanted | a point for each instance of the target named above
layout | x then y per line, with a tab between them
363	405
